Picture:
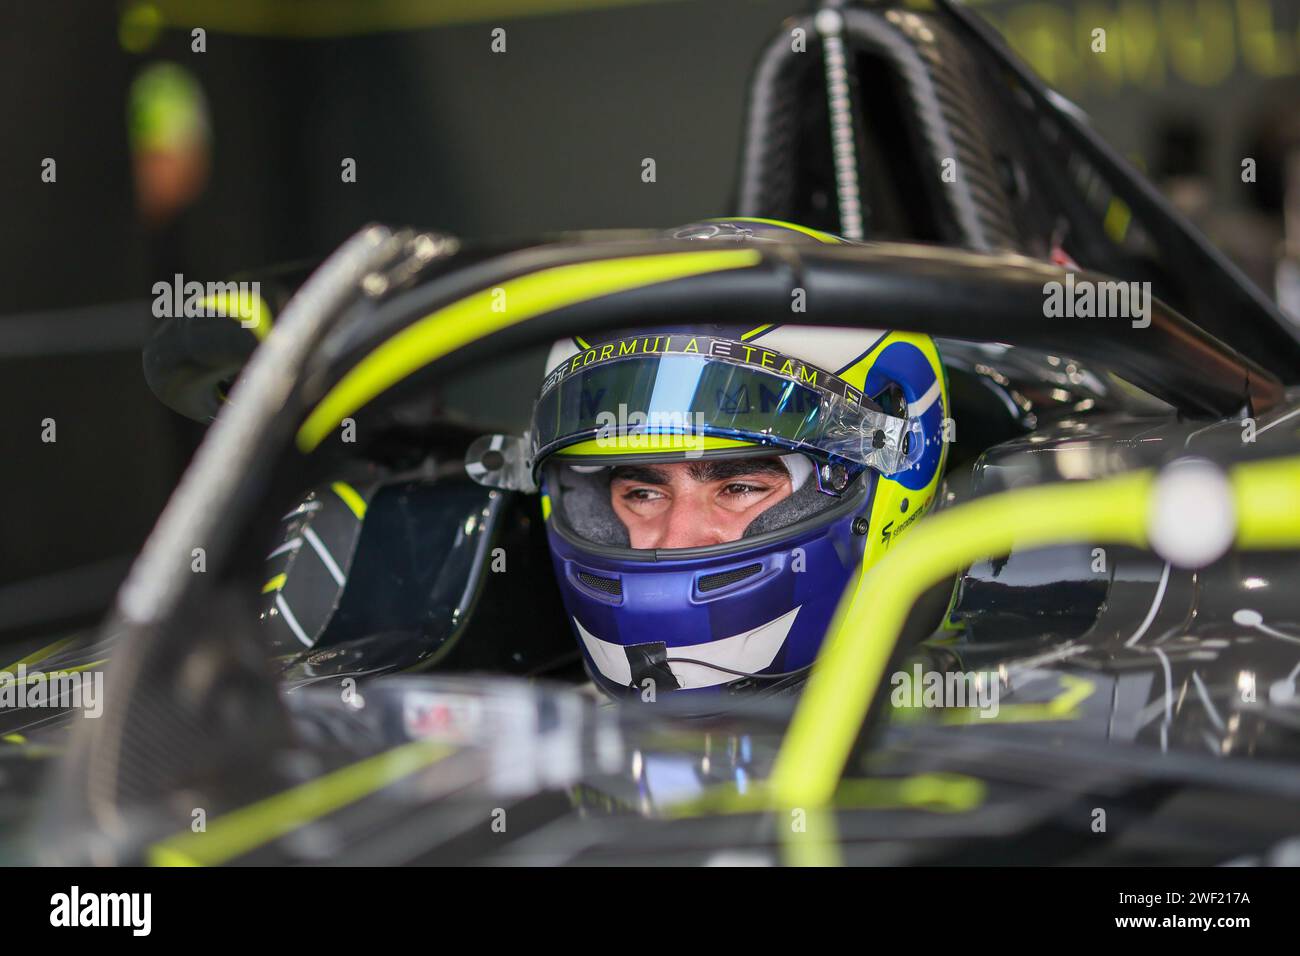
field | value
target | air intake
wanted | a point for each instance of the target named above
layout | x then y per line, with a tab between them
712	582
611	586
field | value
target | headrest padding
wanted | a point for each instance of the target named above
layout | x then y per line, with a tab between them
804	503
584	496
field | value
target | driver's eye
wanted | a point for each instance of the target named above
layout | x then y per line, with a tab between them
740	488
641	494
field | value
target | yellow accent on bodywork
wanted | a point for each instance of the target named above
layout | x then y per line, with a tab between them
11	677
934	792
472	318
546	507
274	584
49	650
351	497
242	831
814	233
1267	498
250	311
1064	706
1116	222
813	840
850	667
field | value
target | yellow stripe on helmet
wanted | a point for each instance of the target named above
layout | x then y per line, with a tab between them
887	502
648	444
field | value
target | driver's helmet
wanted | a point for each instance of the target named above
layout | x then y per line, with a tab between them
854	416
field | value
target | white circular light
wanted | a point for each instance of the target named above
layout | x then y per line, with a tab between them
1281	692
1193	518
1247	618
828	22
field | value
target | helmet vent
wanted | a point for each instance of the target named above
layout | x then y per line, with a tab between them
610	586
712	582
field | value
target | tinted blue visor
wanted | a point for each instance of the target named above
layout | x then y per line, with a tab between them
687	396
674	402
675	394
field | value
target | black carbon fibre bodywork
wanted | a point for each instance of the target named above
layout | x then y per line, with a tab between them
438	693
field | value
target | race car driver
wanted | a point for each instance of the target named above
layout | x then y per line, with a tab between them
709	492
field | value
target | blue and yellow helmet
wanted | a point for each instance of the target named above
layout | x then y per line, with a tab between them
857	416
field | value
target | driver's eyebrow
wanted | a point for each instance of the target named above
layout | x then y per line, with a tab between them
642	473
708	471
703	471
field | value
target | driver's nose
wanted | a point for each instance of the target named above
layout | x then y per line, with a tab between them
690	524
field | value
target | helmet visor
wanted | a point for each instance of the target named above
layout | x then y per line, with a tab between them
687	395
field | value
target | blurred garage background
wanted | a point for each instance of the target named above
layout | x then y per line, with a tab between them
209	154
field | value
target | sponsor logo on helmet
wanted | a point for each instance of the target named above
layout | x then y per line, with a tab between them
702	345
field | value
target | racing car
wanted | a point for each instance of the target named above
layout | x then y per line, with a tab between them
337	642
